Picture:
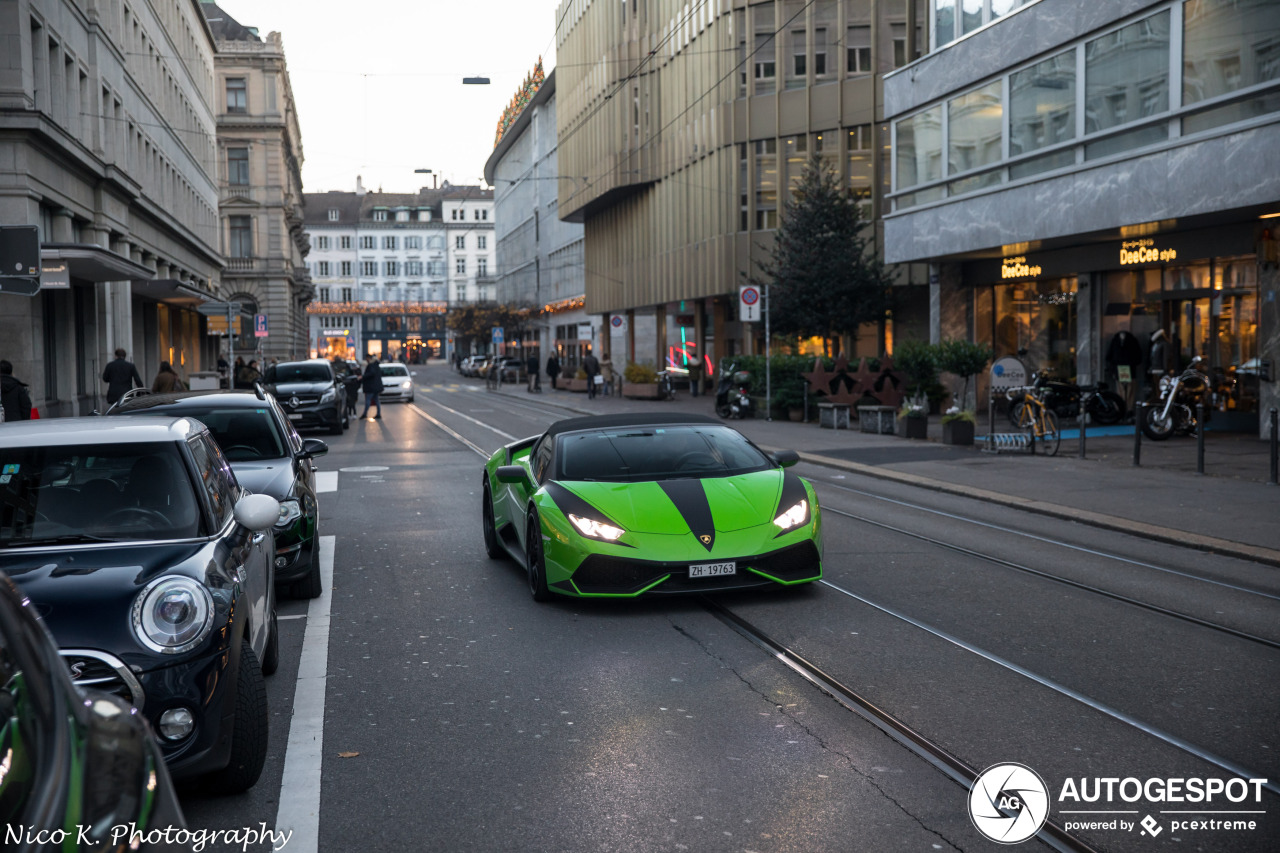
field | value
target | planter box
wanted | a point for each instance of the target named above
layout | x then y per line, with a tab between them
957	432
915	427
833	415
579	385
636	391
876	419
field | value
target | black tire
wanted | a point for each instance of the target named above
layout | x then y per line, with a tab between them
309	586
337	427
535	565
249	737
271	656
346	420
1107	408
1015	413
1153	427
1048	443
723	410
492	546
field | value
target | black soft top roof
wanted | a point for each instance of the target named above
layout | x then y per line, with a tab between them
224	398
627	420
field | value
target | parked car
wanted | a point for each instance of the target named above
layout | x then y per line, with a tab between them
475	365
72	758
269	457
397	384
153	570
311	393
513	369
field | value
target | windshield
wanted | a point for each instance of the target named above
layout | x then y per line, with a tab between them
282	373
243	434
394	370
95	493
653	453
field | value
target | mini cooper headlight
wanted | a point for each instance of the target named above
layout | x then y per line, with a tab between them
329	396
290	511
595	529
172	615
793	517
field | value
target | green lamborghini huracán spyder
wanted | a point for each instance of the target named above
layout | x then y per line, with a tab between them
624	505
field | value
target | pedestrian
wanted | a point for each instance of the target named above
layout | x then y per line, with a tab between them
235	371
606	370
120	376
15	401
553	369
535	377
248	375
371	382
695	376
591	365
166	381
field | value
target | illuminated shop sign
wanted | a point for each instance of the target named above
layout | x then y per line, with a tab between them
1017	267
1144	252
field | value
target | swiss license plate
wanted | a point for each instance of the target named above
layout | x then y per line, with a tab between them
712	570
295	417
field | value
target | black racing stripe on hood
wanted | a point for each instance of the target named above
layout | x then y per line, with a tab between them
568	502
793	491
690	499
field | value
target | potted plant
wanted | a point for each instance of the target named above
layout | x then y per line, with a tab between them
914	417
640	381
957	426
963	359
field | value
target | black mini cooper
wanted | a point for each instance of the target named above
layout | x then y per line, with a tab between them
152	568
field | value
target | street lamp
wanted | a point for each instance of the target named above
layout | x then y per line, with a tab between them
428	172
475	81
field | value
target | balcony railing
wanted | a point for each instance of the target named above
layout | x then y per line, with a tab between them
241	264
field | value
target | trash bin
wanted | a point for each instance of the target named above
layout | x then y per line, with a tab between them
204	380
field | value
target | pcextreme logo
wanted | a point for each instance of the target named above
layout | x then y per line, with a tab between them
1010	802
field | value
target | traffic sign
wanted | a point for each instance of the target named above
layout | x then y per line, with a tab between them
259	325
498	334
212	309
749	303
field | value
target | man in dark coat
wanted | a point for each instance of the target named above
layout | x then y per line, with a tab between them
371	382
13	395
121	377
553	369
591	365
535	376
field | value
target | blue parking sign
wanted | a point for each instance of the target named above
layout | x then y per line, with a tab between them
259	325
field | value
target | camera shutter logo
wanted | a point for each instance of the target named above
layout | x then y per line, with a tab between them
1008	803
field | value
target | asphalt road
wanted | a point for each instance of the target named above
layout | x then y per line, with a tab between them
460	715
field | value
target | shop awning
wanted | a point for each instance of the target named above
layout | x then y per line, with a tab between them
88	262
170	290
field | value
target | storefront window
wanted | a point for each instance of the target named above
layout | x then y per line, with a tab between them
1036	321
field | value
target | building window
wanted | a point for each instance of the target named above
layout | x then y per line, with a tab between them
798	45
820	52
918	154
482	242
391	268
1042	112
766	181
435	243
453	214
976	121
424	216
237	95
379	216
858	51
324	294
1226	48
344	242
435	269
322	243
744	189
413	267
346	268
460	242
389	244
460	266
368	243
333	214
368	268
482	293
482	266
1127	78
346	294
322	268
402	216
413	243
238	167
241	230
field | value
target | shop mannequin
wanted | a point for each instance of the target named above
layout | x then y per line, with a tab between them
1125	351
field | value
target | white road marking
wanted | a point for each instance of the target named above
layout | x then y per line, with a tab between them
303	758
455	435
508	436
292	616
326	481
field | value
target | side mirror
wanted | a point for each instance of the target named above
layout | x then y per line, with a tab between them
257	512
512	474
786	458
313	447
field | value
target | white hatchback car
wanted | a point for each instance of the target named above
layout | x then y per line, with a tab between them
397	384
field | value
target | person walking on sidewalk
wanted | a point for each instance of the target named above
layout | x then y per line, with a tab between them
371	382
121	376
535	376
695	376
15	401
166	381
553	369
591	365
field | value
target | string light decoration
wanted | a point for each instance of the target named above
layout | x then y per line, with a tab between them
532	83
371	307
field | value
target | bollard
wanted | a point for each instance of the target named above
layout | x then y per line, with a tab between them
1083	419
1275	449
1200	437
1139	412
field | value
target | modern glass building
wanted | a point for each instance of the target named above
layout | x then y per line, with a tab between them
1077	173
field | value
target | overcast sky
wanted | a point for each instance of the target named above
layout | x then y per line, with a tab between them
379	82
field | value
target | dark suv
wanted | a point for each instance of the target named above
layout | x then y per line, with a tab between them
311	393
268	456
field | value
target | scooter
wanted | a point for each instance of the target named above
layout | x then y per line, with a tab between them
732	397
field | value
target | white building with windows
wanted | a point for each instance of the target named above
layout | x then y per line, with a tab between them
387	266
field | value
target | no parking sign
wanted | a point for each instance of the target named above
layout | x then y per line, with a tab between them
749	303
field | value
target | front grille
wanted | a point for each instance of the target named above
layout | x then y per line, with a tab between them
100	671
604	574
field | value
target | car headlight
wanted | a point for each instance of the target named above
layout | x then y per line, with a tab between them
595	529
172	615
406	384
329	396
793	517
290	511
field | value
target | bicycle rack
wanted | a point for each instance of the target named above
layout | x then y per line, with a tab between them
998	442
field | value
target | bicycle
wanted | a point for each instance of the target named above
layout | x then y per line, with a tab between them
1037	419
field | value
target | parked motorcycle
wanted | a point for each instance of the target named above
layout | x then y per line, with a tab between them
667	382
1173	410
1063	399
733	399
